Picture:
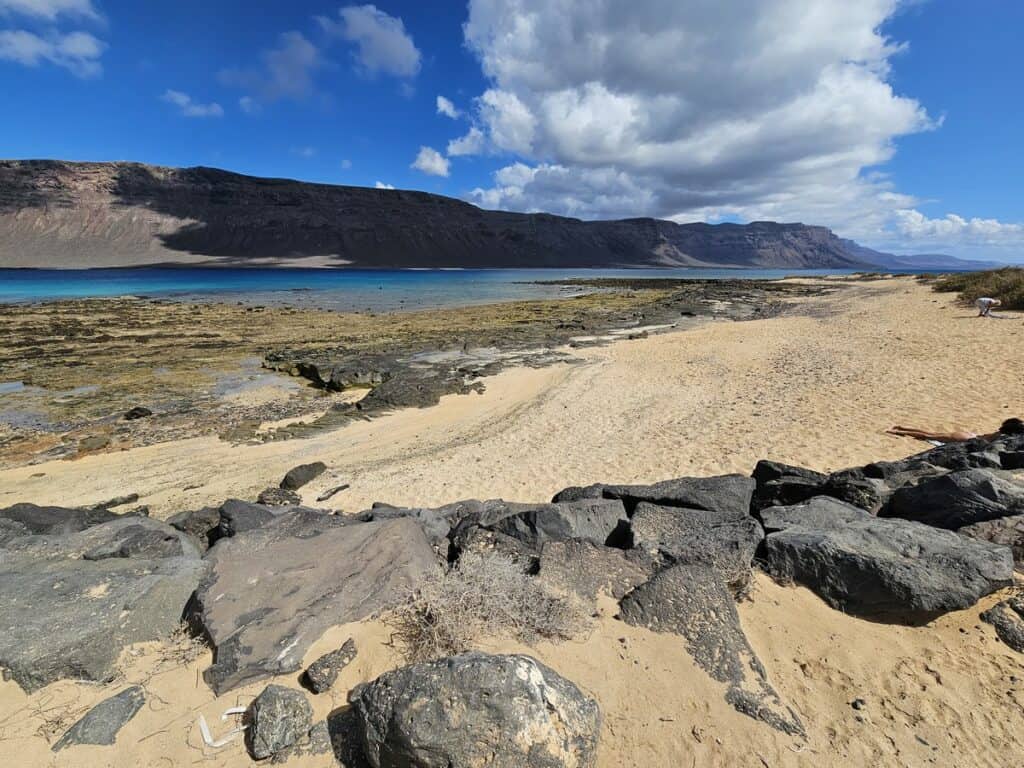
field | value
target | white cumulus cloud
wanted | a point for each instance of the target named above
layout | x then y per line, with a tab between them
50	9
382	44
191	108
78	52
952	230
447	108
431	162
382	185
473	143
693	110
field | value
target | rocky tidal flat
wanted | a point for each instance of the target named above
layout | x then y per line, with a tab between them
92	375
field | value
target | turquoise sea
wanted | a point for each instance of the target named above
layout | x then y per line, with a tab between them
348	290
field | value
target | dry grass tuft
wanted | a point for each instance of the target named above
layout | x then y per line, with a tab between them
1006	284
483	596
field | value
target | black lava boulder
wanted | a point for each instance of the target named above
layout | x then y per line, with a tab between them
476	709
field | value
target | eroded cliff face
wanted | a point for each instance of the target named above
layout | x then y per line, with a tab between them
63	214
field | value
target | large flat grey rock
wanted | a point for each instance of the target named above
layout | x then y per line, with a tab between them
273	590
70	603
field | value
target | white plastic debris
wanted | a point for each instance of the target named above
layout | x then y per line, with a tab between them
227	738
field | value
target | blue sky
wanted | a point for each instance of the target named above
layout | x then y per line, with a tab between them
896	123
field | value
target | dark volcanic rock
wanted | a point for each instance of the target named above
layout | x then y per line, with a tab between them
302	474
864	492
972	454
785	491
692	601
957	499
1008	531
476	709
820	513
273	590
236	516
279	718
587	568
593	520
727	494
784	485
55	520
64	616
1008	619
138	412
321	674
699	537
891	569
101	724
201	524
278	497
436	523
765	471
139	541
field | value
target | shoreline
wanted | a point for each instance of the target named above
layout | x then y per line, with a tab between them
521	407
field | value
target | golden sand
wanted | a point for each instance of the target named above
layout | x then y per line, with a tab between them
816	389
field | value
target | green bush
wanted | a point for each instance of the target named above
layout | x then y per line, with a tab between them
1006	284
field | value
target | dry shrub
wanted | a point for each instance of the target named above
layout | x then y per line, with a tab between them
483	596
1006	284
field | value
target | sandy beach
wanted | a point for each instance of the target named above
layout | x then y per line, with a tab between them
816	387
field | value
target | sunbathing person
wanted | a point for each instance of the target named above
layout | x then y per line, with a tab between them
1009	427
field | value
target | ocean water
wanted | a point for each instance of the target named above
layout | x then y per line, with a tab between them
347	290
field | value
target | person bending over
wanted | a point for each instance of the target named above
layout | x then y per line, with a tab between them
985	305
1009	427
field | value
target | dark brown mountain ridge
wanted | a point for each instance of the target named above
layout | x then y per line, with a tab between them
71	214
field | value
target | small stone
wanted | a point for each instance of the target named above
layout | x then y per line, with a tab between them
302	474
323	672
138	412
101	724
858	704
278	718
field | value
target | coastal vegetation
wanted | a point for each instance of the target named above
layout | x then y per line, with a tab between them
483	596
1006	284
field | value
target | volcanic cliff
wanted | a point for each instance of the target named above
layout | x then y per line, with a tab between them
67	214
